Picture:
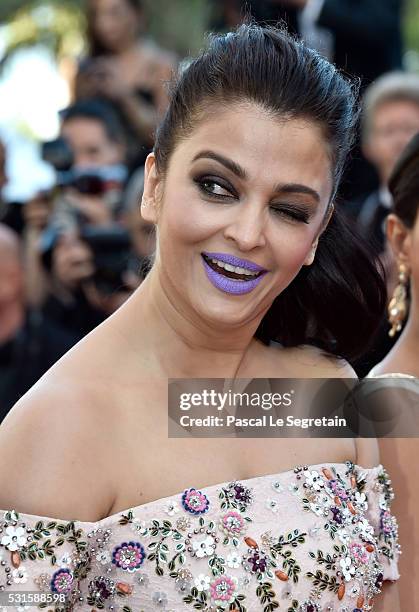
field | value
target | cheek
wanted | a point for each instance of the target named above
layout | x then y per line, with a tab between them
185	222
291	245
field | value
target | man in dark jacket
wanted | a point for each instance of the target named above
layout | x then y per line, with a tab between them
29	343
366	36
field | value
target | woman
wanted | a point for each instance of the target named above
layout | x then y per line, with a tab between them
240	187
403	359
403	236
126	69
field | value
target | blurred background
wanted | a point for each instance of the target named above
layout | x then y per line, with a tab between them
83	86
41	43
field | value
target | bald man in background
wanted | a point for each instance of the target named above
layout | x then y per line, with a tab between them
29	343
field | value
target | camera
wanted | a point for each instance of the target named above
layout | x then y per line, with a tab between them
111	249
96	181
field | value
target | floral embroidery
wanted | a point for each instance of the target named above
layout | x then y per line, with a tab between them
277	486
236	495
358	553
233	525
20	575
272	505
234	560
222	590
195	502
356	558
171	508
237	567
204	548
143	579
202	582
257	562
61	581
183	523
184	579
100	589
159	599
388	528
14	538
309	606
348	570
104	557
313	480
128	556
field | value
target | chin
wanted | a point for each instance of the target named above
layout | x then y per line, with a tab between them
225	312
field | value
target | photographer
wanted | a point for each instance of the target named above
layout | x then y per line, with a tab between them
68	265
90	274
89	158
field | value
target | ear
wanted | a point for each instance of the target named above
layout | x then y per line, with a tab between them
400	239
312	253
150	199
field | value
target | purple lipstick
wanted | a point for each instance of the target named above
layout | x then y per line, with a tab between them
232	274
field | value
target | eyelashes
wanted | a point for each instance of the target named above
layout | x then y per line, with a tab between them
209	185
292	212
220	190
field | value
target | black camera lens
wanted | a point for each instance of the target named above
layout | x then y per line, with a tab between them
89	184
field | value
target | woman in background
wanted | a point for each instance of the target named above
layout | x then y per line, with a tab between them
403	359
403	236
127	69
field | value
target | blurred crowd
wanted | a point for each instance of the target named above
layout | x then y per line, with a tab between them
70	256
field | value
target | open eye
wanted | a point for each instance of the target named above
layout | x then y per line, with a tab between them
215	187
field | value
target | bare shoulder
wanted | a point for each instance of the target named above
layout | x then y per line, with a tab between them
52	450
308	361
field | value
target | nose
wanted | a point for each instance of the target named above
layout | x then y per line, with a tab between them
247	228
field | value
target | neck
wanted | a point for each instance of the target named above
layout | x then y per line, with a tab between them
179	343
410	336
12	317
404	355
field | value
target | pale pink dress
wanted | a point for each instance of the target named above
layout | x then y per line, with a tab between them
314	538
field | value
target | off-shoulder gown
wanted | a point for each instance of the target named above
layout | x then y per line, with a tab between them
314	538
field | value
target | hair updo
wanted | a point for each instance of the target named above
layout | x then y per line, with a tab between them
338	302
404	183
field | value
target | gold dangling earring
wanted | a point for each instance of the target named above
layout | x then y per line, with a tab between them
397	308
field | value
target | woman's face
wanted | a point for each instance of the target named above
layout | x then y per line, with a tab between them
244	191
115	22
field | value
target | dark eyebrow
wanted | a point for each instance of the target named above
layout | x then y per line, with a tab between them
241	173
297	188
225	161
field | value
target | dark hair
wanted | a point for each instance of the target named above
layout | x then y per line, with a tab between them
98	110
96	47
338	302
404	183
